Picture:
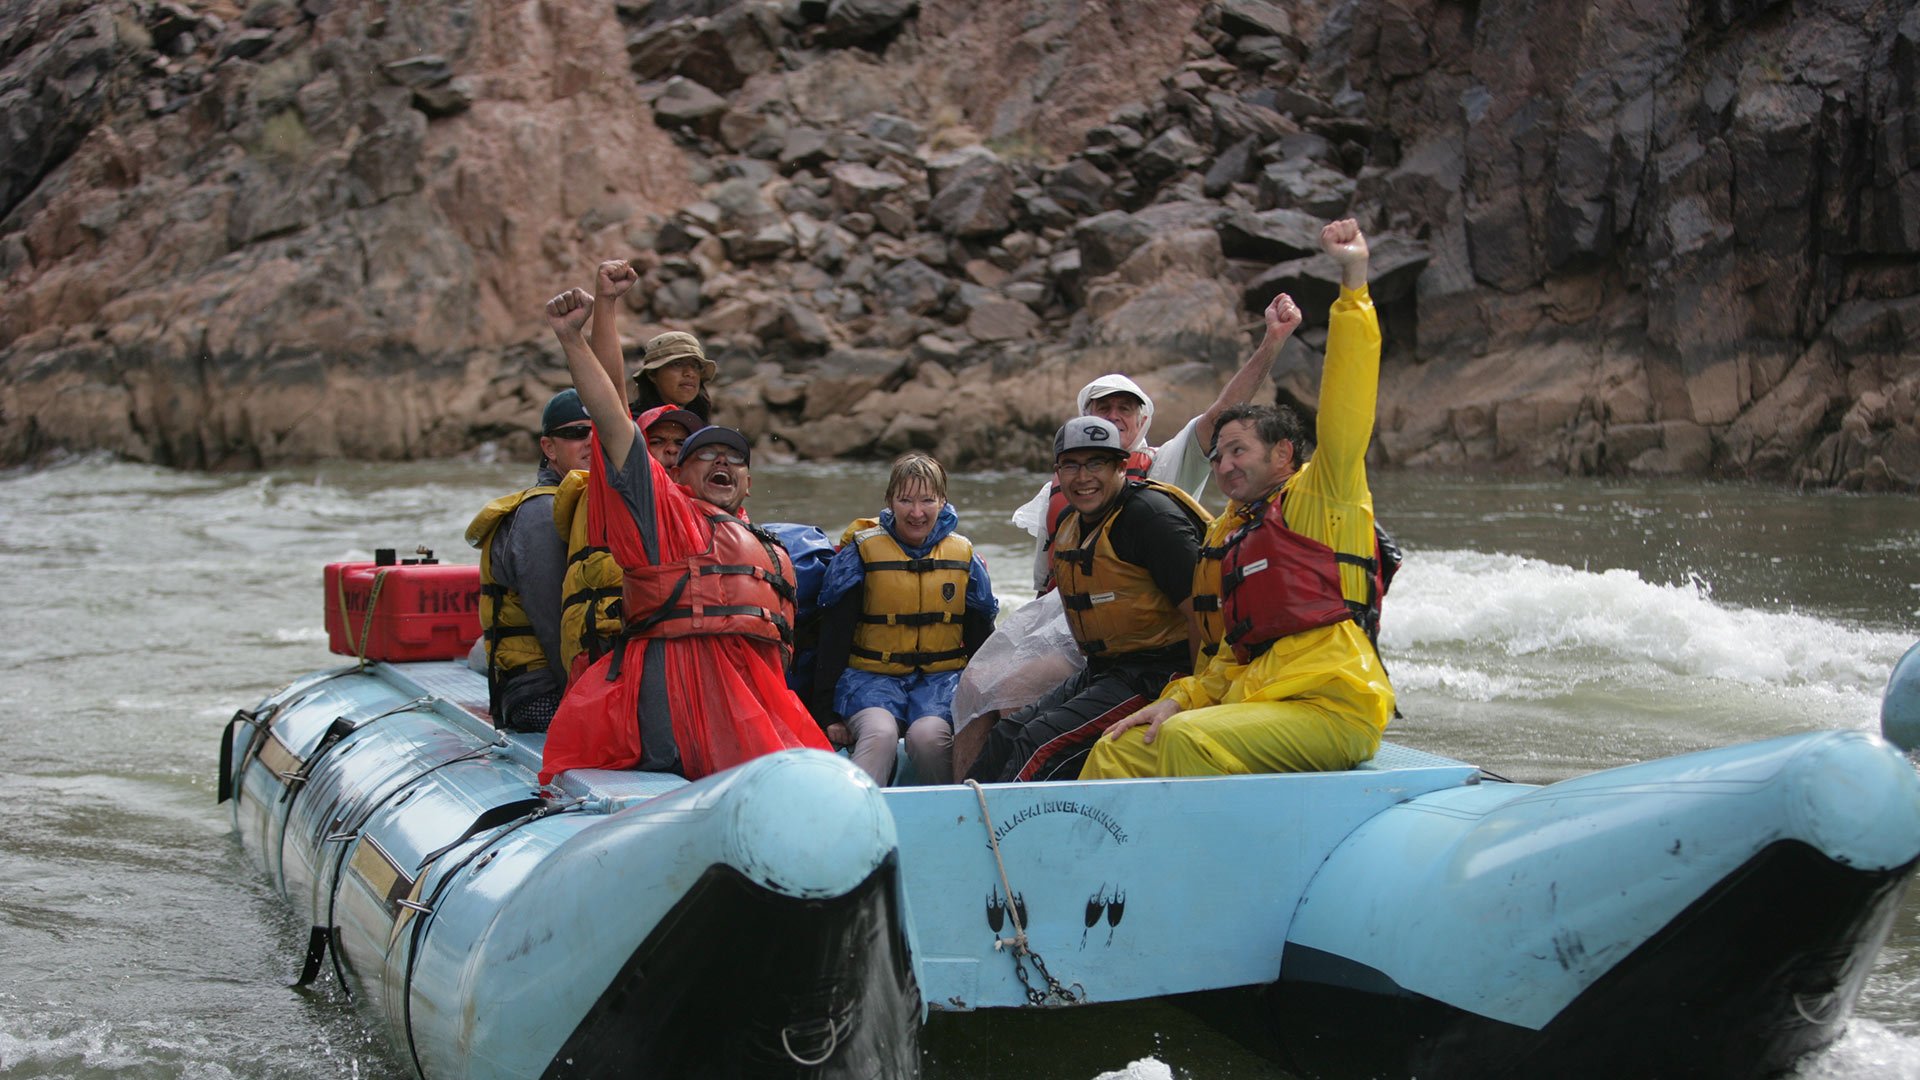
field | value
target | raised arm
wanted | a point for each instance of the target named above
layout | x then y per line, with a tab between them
1282	318
610	282
567	314
1350	378
1345	243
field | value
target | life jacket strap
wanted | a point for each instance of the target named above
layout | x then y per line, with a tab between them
910	659
779	583
591	595
586	553
672	610
916	618
1081	558
918	566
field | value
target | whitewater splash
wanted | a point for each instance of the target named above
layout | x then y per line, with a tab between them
1868	1049
1485	627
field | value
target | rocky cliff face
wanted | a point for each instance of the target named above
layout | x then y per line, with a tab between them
1612	237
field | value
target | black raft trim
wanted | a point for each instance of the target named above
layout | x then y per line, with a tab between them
738	981
1761	970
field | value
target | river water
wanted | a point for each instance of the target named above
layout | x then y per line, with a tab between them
1541	628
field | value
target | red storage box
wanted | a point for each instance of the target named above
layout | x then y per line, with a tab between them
427	611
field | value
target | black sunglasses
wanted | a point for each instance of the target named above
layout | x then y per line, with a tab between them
577	431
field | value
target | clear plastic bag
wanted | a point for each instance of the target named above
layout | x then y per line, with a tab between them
1031	652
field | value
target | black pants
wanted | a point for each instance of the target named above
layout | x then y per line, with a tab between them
528	702
1049	739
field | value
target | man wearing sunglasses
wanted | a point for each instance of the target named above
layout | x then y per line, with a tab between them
523	560
1123	560
697	681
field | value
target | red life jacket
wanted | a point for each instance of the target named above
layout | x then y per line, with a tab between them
741	584
1139	463
1275	582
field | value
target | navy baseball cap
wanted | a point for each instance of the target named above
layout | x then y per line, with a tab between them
562	409
713	434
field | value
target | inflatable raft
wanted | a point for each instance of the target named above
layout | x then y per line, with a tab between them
1708	915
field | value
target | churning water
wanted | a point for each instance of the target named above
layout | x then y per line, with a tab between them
1542	629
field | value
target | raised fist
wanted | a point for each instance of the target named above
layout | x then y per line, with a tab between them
1283	316
1343	241
614	277
569	311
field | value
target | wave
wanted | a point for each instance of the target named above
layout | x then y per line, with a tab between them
1520	607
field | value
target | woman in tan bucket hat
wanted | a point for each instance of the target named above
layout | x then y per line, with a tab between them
675	370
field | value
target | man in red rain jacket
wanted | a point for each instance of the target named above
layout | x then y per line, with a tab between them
697	683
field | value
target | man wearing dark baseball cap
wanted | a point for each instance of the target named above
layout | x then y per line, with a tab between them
716	466
1123	560
523	561
696	681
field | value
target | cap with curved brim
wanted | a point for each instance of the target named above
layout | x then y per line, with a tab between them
672	414
712	435
1088	433
563	410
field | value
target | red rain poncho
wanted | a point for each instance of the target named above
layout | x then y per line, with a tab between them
727	693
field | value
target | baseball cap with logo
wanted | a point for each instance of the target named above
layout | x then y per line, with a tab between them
1088	433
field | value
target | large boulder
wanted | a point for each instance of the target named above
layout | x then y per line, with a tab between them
855	22
53	91
972	194
837	381
720	52
683	103
1105	241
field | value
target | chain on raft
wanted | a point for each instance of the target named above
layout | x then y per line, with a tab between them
1055	993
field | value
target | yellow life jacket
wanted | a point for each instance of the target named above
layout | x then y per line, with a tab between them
853	529
512	647
913	615
590	592
1112	605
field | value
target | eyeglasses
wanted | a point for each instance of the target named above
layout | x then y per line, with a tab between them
1091	468
715	453
571	434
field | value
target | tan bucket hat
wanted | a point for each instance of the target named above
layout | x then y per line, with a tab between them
674	345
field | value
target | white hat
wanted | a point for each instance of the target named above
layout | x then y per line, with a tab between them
1107	385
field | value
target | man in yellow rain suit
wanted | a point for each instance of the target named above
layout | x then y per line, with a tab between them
1295	684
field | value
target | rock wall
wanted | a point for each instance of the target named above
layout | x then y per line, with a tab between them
1669	238
1665	237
